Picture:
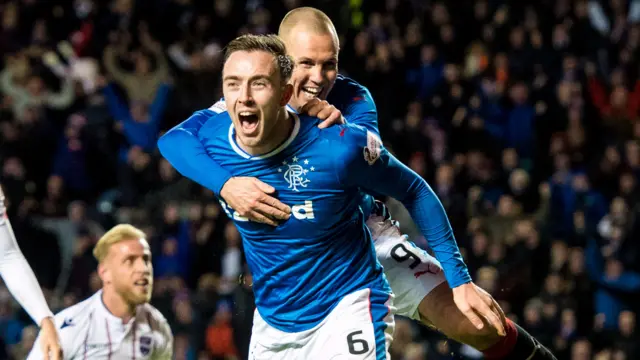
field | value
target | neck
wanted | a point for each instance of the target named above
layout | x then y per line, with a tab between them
279	133
117	306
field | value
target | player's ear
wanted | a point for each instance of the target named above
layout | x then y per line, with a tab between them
286	94
104	273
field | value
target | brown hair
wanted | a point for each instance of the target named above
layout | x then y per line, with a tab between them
271	44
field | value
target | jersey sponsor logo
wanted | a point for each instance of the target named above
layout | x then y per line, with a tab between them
295	172
372	151
232	213
303	212
358	98
145	345
66	323
300	212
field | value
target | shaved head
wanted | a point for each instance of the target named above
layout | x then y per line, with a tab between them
307	19
312	42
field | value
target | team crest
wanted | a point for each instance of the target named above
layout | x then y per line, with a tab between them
145	345
372	151
295	172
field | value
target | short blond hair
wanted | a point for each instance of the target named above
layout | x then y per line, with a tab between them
117	234
311	19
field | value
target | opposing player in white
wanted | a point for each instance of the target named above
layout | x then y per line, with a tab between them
117	322
23	285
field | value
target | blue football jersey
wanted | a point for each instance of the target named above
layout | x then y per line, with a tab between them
183	146
302	268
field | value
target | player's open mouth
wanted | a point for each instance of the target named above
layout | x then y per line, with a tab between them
312	92
248	121
143	283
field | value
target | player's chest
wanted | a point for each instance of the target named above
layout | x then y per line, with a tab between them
294	175
112	342
305	181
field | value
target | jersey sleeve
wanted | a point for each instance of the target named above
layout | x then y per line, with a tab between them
368	165
182	148
24	288
360	109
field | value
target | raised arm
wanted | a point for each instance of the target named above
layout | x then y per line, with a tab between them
351	103
248	196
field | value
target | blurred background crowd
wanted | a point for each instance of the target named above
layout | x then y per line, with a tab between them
522	115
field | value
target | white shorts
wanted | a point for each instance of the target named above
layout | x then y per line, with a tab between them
412	273
360	327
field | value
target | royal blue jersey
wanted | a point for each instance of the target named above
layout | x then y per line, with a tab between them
181	147
304	267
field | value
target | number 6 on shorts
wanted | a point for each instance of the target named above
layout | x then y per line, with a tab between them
357	346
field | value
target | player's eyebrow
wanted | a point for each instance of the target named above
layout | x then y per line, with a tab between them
231	77
306	59
252	78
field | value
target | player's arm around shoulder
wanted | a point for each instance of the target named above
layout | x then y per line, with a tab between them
360	108
184	148
191	126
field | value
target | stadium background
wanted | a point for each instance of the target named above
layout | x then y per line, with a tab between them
522	115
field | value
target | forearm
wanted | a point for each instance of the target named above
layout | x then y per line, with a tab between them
390	177
181	147
19	278
429	215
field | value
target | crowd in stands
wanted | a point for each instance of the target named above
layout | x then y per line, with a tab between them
522	115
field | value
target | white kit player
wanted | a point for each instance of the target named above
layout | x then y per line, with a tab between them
23	285
117	322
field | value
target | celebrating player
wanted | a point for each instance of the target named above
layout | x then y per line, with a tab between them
465	313
117	322
22	283
319	290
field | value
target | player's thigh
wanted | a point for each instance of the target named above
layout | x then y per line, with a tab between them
360	328
412	273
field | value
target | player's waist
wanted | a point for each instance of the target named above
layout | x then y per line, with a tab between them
360	300
302	316
300	296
